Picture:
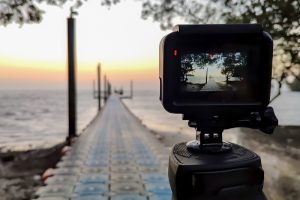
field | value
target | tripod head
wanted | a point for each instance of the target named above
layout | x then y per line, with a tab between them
209	130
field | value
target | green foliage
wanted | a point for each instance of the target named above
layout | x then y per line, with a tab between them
28	11
279	17
23	11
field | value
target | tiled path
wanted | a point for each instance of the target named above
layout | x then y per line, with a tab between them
116	159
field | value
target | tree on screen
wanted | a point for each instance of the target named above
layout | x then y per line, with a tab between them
192	61
233	65
186	68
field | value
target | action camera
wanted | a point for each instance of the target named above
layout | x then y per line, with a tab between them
218	77
215	69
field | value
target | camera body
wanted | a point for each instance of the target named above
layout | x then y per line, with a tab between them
216	70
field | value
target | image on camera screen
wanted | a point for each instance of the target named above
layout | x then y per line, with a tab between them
213	71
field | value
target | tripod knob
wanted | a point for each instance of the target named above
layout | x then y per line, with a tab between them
269	121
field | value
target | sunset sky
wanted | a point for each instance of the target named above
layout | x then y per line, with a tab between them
34	56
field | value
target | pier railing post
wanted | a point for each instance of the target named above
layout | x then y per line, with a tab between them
94	90
71	77
131	89
99	85
108	89
105	87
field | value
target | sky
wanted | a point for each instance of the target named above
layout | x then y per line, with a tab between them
34	56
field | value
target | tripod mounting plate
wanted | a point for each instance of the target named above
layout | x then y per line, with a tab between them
195	146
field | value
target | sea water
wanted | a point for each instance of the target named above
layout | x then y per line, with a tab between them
39	118
32	119
147	107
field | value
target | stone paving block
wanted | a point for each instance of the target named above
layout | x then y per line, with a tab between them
82	189
93	178
155	178
61	180
79	153
70	163
119	146
94	170
66	171
89	197
145	157
100	143
102	151
122	162
129	197
52	198
73	158
158	188
121	150
150	169
97	163
126	169
98	156
122	154
127	188
55	191
161	197
118	177
121	157
150	163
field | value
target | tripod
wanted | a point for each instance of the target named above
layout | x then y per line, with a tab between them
210	169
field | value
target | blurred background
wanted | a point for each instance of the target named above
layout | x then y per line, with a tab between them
124	37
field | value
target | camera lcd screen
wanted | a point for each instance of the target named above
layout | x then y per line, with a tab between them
213	69
213	72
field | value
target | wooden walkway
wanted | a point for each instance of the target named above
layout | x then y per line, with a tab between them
116	158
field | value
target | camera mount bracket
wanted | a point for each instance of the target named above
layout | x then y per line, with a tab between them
209	131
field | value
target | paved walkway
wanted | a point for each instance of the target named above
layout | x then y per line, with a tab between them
117	158
211	85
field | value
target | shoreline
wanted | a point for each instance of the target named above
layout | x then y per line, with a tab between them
20	171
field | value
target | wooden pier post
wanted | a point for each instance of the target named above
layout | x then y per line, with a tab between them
131	89
105	88
72	76
108	89
94	90
99	85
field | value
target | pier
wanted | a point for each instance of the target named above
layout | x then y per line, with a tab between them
116	158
